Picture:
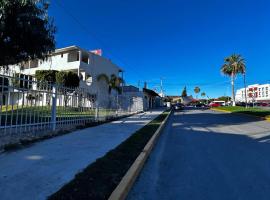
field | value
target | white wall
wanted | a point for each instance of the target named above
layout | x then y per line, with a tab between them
261	91
96	65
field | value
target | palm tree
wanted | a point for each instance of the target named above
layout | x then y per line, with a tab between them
232	66
203	94
197	90
114	82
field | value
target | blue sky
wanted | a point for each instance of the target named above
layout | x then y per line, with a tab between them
182	41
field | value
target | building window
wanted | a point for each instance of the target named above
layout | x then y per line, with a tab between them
73	56
78	56
25	81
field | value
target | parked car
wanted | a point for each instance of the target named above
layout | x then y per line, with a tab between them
178	106
214	105
201	105
243	104
264	104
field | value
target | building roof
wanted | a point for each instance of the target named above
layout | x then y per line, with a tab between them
150	92
130	88
170	96
74	47
69	48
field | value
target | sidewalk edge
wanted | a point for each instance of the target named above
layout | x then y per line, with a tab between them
123	188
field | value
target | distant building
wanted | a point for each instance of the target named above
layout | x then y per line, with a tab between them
151	99
174	99
188	99
255	93
134	99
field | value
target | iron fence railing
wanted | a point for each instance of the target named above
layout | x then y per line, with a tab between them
29	108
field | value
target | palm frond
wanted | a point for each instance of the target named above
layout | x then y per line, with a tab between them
233	65
103	77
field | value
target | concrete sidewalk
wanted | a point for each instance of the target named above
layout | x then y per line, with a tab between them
42	169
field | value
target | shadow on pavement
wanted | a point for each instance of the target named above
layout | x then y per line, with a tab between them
192	161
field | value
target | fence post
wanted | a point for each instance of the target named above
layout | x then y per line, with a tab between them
96	112
53	113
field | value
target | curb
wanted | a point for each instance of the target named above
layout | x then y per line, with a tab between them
225	111
123	188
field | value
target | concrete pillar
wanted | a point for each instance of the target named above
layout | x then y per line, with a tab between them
80	59
9	98
88	62
53	112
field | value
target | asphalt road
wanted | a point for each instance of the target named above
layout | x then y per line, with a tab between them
206	155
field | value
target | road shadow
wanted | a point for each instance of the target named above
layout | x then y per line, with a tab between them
205	116
204	164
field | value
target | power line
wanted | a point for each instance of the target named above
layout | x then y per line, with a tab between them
131	68
92	35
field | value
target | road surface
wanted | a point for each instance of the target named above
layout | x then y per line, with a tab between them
40	170
207	155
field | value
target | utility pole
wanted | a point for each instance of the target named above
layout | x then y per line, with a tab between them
245	85
139	84
161	87
122	81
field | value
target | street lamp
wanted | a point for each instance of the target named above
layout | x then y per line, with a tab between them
245	85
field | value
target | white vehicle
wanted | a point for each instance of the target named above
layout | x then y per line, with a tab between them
223	103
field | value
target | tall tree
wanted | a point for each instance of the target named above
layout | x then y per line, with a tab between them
184	92
197	90
67	82
224	98
232	66
113	82
26	31
70	81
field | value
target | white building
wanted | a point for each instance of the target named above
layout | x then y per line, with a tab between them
255	93
141	100
87	64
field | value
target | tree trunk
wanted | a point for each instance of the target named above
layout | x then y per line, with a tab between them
233	94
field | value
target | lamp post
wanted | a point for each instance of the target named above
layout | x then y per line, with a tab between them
253	99
245	85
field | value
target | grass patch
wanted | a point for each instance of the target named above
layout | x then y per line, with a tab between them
99	179
26	142
251	111
18	115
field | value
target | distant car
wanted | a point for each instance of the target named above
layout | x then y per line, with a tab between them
264	104
243	104
201	105
214	105
178	106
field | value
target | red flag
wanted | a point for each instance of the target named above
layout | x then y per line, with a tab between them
97	52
